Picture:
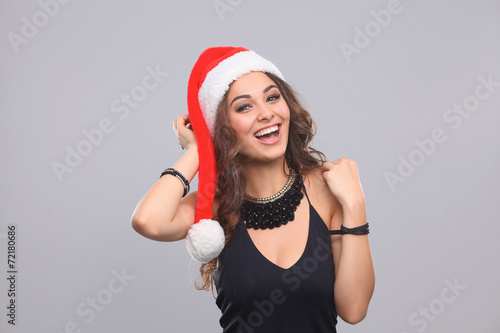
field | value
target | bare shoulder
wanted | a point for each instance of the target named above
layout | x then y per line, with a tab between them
316	185
320	195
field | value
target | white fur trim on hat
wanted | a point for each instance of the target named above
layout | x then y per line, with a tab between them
220	77
205	240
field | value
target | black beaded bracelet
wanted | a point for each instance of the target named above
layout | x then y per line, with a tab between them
180	176
361	230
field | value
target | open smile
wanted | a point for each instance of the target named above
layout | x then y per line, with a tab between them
269	135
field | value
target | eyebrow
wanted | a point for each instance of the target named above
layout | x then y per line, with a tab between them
248	96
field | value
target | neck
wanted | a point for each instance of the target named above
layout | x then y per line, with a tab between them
265	180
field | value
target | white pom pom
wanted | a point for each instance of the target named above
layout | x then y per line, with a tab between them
205	240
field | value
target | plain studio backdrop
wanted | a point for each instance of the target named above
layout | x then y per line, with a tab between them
410	90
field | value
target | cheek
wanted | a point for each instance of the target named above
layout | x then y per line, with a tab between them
240	124
286	117
284	113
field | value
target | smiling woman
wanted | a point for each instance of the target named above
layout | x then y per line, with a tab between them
279	262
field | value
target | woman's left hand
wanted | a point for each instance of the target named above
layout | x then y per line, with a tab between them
343	180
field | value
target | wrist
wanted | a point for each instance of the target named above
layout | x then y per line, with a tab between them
354	205
354	214
180	176
189	162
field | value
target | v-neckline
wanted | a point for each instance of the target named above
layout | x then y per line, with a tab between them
269	261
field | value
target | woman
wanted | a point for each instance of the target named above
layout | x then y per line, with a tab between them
280	262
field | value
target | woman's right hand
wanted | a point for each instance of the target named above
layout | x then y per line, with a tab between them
184	131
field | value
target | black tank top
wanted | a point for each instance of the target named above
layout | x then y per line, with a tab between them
257	296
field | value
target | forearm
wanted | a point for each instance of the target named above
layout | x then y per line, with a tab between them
159	205
355	280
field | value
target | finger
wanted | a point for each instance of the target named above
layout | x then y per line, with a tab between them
186	124
327	166
174	125
183	119
189	124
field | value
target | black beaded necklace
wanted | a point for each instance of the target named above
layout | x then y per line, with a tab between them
268	213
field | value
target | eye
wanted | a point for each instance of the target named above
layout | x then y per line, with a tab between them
273	97
243	107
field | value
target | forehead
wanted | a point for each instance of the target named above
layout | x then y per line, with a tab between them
248	83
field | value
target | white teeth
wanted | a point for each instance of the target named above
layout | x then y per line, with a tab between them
267	131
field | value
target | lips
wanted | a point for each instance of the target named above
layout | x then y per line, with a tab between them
269	135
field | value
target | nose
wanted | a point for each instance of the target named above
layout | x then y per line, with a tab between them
265	113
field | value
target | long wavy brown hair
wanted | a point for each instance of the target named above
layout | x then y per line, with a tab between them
231	171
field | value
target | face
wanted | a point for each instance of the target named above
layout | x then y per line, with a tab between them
260	116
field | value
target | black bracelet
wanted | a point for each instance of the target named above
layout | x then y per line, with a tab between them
180	176
361	230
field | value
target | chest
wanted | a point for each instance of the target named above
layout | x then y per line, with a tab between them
294	255
283	246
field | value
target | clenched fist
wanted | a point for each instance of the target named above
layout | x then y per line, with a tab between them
343	180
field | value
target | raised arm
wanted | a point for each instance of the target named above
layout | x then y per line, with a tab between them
162	214
354	272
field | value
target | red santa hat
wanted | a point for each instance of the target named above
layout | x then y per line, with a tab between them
210	78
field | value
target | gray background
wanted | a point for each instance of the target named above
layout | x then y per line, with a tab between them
439	226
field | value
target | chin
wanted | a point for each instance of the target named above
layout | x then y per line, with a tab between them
268	157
